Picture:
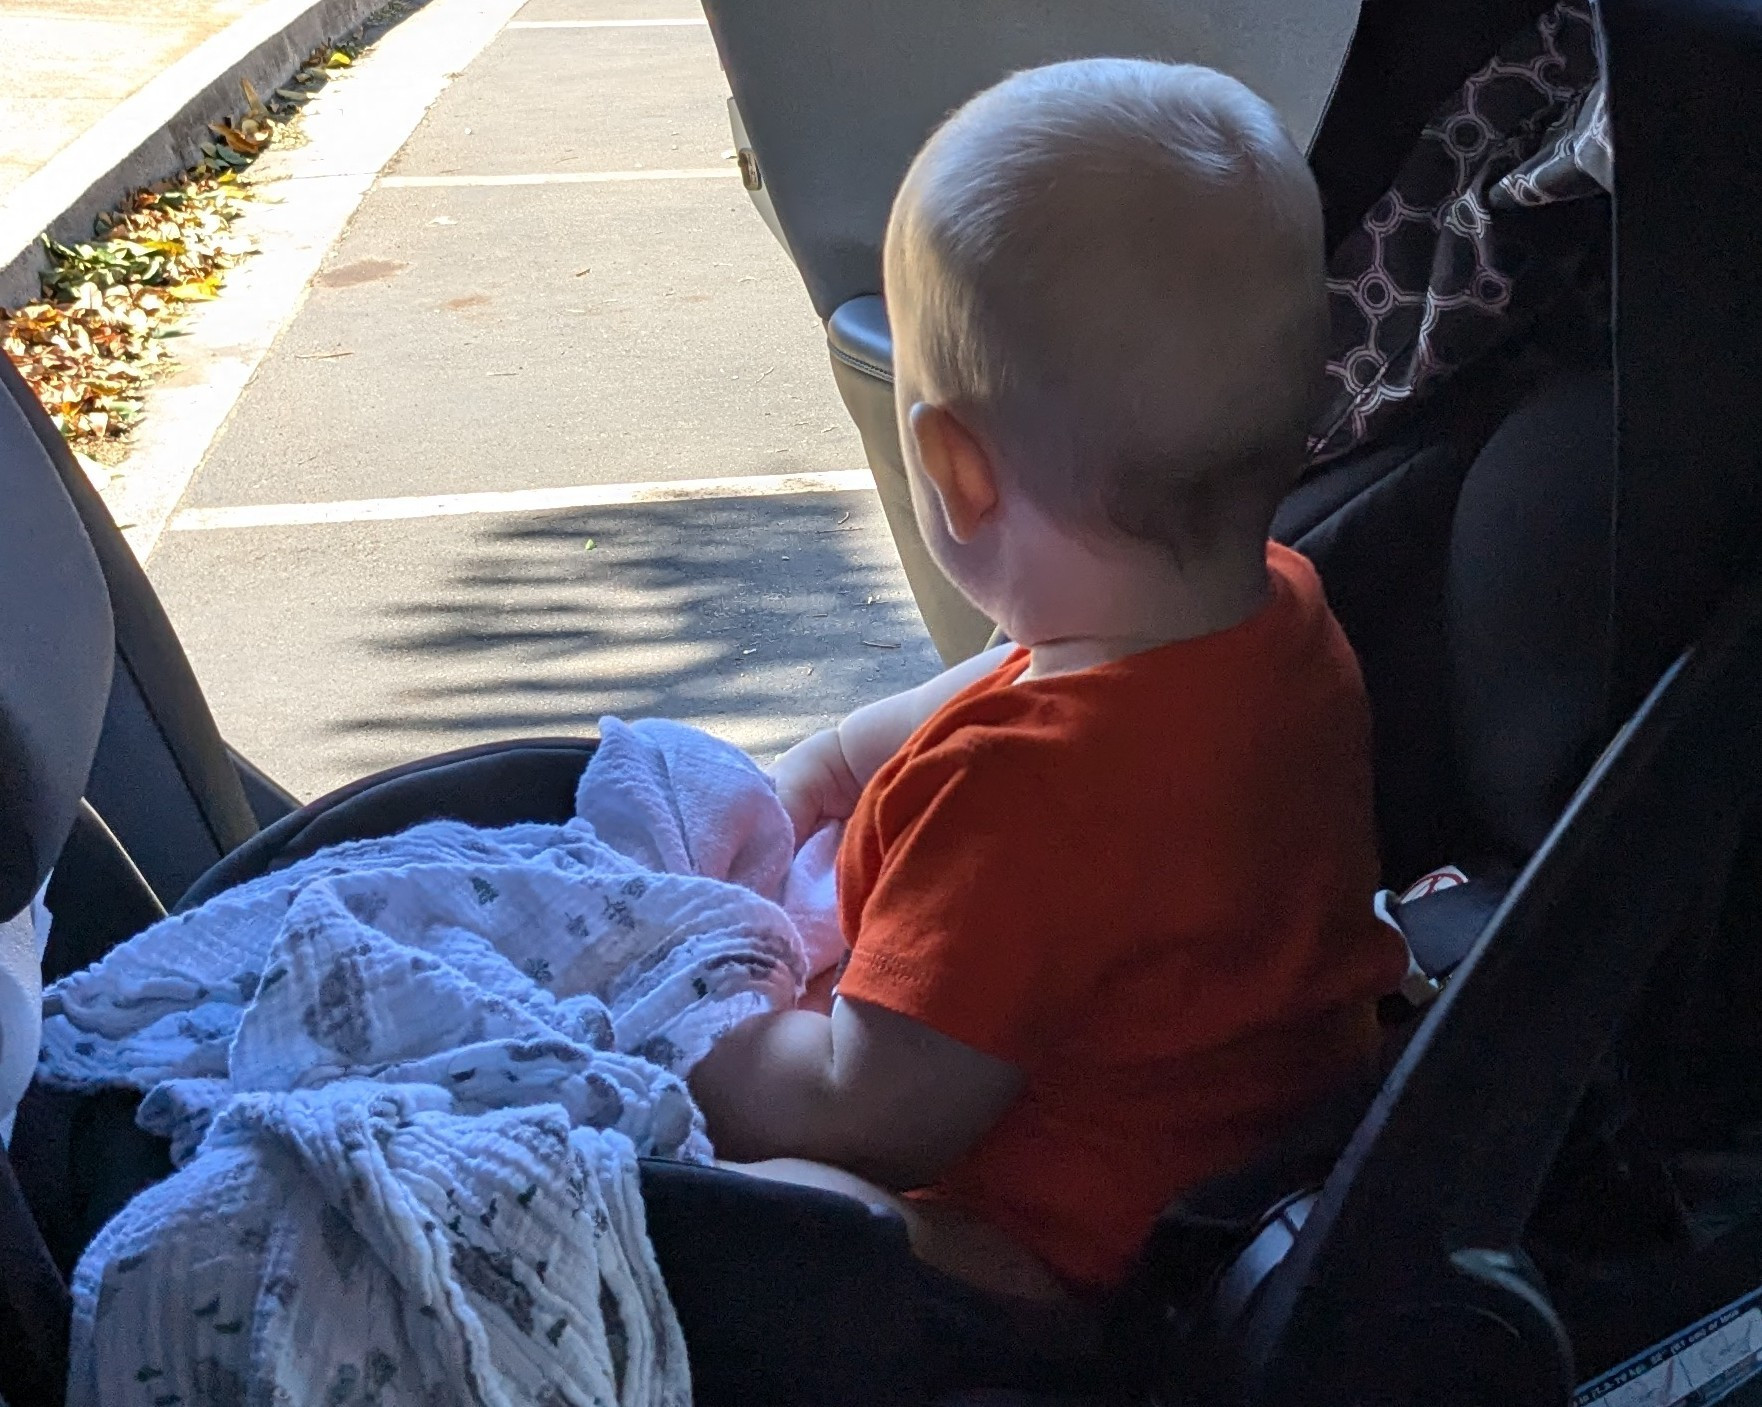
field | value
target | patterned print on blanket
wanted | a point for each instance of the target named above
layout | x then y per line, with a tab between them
406	1082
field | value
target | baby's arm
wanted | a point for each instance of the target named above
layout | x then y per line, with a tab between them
874	732
864	1089
820	778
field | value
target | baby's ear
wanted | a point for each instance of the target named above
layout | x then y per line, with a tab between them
957	466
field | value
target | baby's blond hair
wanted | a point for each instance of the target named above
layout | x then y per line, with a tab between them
1112	269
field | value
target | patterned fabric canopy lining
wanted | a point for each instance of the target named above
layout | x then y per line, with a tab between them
1439	272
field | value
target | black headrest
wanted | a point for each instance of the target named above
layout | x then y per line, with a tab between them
56	650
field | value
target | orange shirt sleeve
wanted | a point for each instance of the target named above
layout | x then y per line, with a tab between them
961	926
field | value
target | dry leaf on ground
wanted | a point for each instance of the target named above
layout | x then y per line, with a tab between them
89	347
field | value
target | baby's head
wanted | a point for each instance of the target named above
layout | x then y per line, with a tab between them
1105	280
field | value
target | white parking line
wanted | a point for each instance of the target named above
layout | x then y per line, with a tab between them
605	24
448	505
561	178
349	132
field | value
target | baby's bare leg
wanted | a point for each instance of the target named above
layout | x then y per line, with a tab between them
941	1237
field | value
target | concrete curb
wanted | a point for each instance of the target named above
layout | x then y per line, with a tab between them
159	130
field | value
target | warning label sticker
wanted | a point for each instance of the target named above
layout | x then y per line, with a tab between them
1696	1368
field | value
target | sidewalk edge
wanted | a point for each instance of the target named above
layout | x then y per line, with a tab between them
159	130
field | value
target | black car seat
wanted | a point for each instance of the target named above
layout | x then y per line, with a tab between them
1644	868
164	782
54	676
1687	438
1418	1273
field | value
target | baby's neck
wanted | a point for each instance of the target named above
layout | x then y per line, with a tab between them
1099	607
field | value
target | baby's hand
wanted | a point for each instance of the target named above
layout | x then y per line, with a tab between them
815	784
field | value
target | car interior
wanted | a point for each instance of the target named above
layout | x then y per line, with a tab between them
1551	1192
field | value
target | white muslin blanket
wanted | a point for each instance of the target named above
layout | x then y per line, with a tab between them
406	1082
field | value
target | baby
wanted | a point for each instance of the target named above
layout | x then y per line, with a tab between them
1108	892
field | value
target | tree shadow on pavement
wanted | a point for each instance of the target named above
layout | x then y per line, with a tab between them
758	619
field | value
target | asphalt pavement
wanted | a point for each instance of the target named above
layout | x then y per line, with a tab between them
618	317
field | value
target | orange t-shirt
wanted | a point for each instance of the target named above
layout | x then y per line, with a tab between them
1147	885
